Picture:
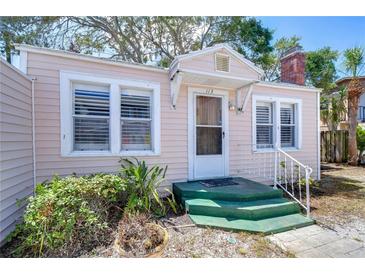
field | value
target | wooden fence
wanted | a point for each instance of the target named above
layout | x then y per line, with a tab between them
334	146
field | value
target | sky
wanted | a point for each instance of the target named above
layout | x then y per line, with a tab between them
339	33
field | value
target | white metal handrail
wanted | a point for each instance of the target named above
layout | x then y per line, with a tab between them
269	164
288	177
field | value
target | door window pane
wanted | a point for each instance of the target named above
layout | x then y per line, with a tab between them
208	110
209	140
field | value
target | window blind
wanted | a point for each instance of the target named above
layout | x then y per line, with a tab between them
91	119
264	125
136	121
287	125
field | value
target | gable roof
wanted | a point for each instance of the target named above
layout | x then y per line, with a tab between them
216	47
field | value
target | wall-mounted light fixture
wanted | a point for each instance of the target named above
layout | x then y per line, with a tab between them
231	106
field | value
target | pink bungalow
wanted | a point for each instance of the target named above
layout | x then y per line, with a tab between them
209	117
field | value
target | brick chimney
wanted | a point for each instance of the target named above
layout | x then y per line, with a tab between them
293	66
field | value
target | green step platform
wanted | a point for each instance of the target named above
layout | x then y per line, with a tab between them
245	206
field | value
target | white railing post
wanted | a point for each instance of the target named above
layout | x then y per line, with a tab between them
307	173
276	169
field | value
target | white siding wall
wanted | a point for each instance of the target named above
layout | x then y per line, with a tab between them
16	164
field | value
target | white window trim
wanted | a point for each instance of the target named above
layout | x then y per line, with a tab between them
276	101
116	85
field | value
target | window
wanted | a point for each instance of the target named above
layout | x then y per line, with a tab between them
287	125
90	117
276	121
108	116
222	62
264	125
136	120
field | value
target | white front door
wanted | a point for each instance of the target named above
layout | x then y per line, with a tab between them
209	135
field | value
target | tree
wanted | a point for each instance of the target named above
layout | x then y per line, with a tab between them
321	68
333	108
360	136
271	61
142	39
33	30
354	62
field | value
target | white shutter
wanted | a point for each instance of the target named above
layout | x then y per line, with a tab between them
222	62
287	125
264	125
136	120
90	118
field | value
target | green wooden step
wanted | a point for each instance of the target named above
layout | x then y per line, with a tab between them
251	210
266	226
244	190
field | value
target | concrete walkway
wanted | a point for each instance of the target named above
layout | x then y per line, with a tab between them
317	242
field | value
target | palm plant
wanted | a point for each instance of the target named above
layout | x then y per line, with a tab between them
142	184
354	62
334	109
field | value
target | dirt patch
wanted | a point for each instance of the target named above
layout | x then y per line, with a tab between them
138	236
338	200
189	241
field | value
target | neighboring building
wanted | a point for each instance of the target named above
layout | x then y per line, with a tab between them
204	117
361	113
343	82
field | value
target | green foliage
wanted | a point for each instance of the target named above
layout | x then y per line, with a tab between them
270	61
360	137
171	201
33	30
140	39
321	68
67	213
334	108
142	183
354	60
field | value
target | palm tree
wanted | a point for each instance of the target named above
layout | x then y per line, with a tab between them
334	109
354	62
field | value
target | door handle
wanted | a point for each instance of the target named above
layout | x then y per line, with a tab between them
223	134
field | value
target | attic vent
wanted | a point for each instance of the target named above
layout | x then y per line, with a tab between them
222	62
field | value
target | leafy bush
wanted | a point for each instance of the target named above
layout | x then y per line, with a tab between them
360	136
67	215
142	184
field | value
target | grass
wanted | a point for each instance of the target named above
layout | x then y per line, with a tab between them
340	196
260	247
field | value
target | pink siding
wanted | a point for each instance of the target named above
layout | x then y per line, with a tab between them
206	63
16	161
49	162
174	123
240	127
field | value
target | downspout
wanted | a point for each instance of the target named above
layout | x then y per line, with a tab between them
318	138
33	139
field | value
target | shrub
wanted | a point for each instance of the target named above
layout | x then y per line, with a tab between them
142	184
360	136
67	215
